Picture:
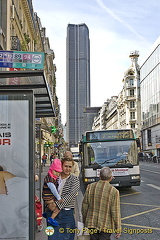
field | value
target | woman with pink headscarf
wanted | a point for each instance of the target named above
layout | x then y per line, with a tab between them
50	193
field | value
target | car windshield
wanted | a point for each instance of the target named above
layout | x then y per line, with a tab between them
111	153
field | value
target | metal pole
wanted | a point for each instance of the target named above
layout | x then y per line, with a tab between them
40	165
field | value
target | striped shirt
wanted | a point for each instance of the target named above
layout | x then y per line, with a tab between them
101	207
46	192
69	192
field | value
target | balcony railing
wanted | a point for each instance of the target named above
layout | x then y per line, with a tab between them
15	43
130	97
2	39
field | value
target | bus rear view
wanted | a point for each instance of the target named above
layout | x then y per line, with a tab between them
116	149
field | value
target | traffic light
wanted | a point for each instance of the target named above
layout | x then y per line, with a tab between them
53	129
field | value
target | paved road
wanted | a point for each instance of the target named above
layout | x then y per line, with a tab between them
140	208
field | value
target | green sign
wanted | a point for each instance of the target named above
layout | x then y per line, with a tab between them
48	144
53	129
18	59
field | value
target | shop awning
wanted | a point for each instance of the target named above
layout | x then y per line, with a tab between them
34	80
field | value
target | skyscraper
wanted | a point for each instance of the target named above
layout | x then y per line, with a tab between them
78	79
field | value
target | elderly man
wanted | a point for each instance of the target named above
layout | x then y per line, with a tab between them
101	208
75	168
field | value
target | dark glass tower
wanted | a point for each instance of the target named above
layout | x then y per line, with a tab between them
78	80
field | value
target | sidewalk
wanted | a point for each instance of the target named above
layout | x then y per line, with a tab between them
41	235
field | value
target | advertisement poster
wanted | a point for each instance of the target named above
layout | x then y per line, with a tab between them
14	170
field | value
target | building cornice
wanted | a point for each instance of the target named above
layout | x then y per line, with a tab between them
29	16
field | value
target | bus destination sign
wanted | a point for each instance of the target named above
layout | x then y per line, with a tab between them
109	135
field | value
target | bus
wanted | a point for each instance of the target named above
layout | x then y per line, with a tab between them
75	153
116	149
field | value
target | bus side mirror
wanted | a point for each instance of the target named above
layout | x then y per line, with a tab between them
138	142
80	149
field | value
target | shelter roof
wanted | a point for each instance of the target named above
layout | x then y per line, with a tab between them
31	80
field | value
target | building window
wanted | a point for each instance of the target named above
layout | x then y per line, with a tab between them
131	82
131	92
132	125
132	104
132	115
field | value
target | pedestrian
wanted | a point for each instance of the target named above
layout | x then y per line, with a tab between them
75	168
44	159
52	157
50	193
38	210
101	208
68	187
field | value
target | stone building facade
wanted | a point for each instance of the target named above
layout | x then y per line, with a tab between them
21	30
123	111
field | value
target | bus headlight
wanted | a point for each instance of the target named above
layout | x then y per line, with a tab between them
135	177
89	180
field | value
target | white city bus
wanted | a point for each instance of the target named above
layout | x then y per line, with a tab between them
117	149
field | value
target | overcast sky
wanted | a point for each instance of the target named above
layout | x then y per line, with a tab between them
116	27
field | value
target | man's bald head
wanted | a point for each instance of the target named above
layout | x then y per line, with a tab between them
68	154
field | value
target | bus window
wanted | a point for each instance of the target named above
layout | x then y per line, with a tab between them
111	152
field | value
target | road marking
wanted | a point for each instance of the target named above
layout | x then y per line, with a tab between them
129	194
150	171
126	224
134	215
142	181
154	186
149	165
140	204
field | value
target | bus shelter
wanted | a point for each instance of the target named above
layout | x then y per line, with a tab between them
24	96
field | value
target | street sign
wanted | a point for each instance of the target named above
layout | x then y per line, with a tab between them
18	59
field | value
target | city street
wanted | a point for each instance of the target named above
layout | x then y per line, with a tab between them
140	208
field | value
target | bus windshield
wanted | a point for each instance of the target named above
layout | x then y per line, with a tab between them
111	153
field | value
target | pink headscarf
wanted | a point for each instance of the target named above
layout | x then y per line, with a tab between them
57	166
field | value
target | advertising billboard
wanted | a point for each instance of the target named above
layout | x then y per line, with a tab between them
14	168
